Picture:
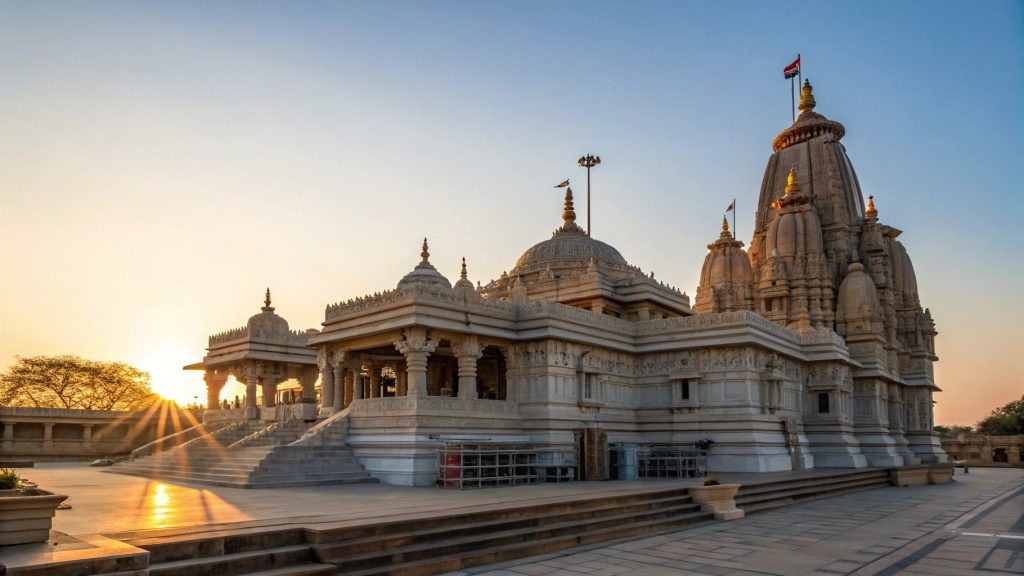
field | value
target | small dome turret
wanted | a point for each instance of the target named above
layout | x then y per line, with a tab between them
424	274
726	280
857	307
266	324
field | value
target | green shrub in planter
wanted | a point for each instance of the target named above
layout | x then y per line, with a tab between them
9	479
711	481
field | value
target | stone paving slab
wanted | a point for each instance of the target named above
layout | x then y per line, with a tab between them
968	527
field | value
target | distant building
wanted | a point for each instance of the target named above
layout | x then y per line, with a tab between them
981	450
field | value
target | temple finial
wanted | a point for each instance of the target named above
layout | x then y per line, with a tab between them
725	228
568	213
462	274
871	212
425	254
791	184
266	302
806	97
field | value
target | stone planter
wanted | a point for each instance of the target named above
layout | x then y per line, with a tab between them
26	515
720	499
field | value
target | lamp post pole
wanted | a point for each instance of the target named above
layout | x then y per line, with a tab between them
588	162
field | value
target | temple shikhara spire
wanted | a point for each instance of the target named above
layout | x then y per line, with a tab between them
806	348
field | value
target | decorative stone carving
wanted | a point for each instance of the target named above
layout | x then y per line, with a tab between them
416	346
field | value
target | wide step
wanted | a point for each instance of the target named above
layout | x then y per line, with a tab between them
236	563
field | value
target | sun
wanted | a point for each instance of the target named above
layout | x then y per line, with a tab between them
164	365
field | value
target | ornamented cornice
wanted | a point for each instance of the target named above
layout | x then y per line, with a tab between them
292	337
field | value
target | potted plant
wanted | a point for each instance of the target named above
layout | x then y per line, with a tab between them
716	497
27	512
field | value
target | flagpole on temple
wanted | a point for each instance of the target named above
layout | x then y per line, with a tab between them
792	99
735	233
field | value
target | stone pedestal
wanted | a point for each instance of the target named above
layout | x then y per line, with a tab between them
910	476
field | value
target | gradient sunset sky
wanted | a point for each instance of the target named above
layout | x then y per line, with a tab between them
162	163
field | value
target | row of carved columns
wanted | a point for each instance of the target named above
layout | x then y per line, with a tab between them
342	378
265	375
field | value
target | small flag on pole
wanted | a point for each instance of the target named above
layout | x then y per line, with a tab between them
793	69
563	184
731	207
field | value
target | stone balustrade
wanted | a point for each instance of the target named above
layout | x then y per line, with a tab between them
66	434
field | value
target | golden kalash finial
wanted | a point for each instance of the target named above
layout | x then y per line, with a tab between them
806	97
725	228
425	254
569	213
871	212
266	302
462	275
791	184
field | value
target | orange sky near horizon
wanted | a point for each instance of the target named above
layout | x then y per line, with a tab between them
162	164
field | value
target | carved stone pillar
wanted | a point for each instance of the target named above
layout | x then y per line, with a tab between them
338	400
356	367
251	374
345	389
416	346
468	351
401	379
87	433
214	384
307	379
269	386
326	379
374	380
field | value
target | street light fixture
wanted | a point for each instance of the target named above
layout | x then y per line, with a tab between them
588	162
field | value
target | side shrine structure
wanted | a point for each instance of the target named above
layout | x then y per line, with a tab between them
809	350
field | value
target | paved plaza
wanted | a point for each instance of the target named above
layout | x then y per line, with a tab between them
972	526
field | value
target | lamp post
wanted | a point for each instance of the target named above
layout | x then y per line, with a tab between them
588	162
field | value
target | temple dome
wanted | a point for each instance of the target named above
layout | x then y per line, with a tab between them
267	324
424	274
570	246
857	293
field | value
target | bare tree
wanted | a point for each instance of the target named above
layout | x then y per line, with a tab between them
71	382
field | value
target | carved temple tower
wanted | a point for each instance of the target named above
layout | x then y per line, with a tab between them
822	261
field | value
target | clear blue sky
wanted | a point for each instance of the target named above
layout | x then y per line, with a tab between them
162	162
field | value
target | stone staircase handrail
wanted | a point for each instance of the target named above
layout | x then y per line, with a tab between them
172	440
317	431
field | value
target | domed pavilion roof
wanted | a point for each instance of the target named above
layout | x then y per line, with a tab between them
569	247
424	274
266	324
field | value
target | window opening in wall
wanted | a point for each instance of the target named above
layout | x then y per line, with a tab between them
823	407
768	304
684	387
1000	455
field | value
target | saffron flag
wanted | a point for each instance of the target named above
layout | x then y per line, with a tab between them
731	206
793	69
563	184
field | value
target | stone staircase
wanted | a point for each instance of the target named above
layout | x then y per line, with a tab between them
773	494
455	542
250	456
271	553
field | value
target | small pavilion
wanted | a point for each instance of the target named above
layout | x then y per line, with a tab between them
264	353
